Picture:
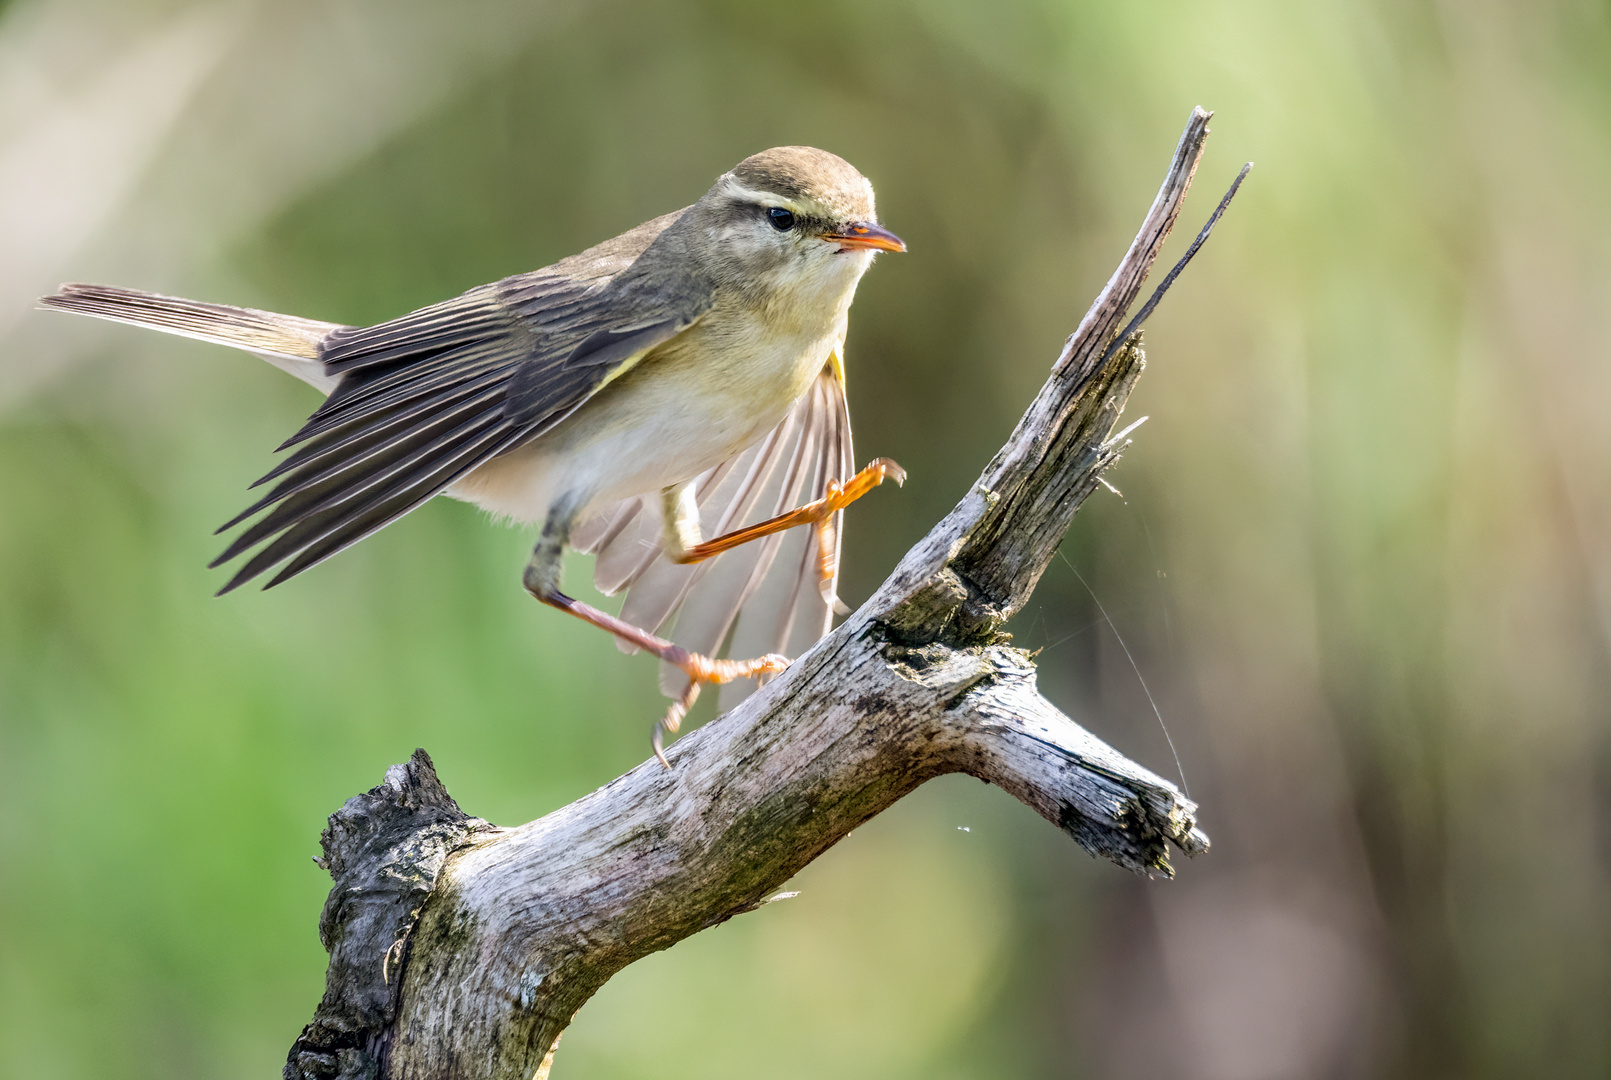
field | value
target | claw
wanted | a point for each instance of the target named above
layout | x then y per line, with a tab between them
840	496
672	721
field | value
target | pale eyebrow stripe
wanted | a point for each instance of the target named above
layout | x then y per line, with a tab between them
740	191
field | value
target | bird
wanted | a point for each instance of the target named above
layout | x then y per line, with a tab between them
685	375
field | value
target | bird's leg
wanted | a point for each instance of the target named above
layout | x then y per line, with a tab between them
838	497
679	520
542	579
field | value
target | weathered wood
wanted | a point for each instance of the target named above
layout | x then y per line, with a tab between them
385	849
461	950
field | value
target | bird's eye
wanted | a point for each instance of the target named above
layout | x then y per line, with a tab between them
781	219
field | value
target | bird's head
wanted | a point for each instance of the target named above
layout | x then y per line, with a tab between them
791	221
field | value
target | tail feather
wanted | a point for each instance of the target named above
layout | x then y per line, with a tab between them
284	340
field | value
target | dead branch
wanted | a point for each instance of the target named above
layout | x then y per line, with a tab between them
459	949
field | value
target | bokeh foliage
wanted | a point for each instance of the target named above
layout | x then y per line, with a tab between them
1362	557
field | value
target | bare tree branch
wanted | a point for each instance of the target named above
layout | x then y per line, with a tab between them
462	950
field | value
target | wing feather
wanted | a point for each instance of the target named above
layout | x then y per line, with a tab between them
378	443
425	399
352	479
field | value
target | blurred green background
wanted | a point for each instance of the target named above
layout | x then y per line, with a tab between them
1362	557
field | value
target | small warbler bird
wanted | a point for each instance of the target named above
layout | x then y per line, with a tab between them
684	377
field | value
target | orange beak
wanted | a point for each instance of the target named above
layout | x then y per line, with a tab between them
861	235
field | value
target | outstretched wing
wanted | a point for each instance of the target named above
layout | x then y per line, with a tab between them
424	399
770	588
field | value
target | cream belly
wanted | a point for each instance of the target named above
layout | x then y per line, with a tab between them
686	407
